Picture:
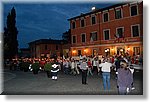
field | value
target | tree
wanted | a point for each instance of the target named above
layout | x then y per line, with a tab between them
67	36
10	36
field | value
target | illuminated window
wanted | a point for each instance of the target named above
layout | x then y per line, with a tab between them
136	50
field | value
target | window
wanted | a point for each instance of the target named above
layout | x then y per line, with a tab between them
135	31
106	34
83	38
120	32
134	10
45	47
56	47
93	36
74	39
118	14
73	25
93	20
82	23
105	17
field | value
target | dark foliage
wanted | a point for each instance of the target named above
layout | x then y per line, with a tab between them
10	36
67	36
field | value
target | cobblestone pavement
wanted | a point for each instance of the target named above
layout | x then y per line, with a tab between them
19	82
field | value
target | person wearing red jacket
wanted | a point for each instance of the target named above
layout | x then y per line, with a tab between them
89	68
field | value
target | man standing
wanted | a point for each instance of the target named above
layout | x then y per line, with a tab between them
84	71
54	71
106	73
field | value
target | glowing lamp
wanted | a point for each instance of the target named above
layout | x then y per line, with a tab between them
121	50
74	51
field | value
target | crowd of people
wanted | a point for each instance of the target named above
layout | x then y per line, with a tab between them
88	65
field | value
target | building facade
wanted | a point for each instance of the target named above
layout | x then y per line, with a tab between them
116	29
24	52
45	48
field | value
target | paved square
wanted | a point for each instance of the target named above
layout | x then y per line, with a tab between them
19	82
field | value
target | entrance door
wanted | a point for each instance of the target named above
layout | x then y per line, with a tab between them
79	52
94	52
120	50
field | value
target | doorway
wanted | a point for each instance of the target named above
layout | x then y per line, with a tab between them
120	50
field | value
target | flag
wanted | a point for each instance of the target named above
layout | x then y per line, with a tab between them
117	37
91	39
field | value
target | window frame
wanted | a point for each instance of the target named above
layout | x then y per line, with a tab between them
137	9
96	36
75	39
104	17
122	29
119	9
85	37
57	47
132	30
104	34
92	20
72	24
81	22
46	47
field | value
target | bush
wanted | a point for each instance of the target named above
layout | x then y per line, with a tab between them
48	67
35	67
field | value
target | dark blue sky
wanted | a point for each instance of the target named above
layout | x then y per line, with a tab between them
43	21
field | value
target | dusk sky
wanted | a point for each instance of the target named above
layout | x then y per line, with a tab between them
43	21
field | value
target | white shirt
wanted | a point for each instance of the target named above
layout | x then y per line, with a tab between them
105	66
72	65
94	63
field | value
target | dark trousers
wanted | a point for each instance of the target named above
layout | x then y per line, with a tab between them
95	69
84	77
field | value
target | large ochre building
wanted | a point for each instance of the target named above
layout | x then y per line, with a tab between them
112	30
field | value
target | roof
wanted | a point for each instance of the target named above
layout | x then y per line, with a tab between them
24	49
98	10
46	41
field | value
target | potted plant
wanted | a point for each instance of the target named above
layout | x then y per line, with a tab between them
35	67
47	68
